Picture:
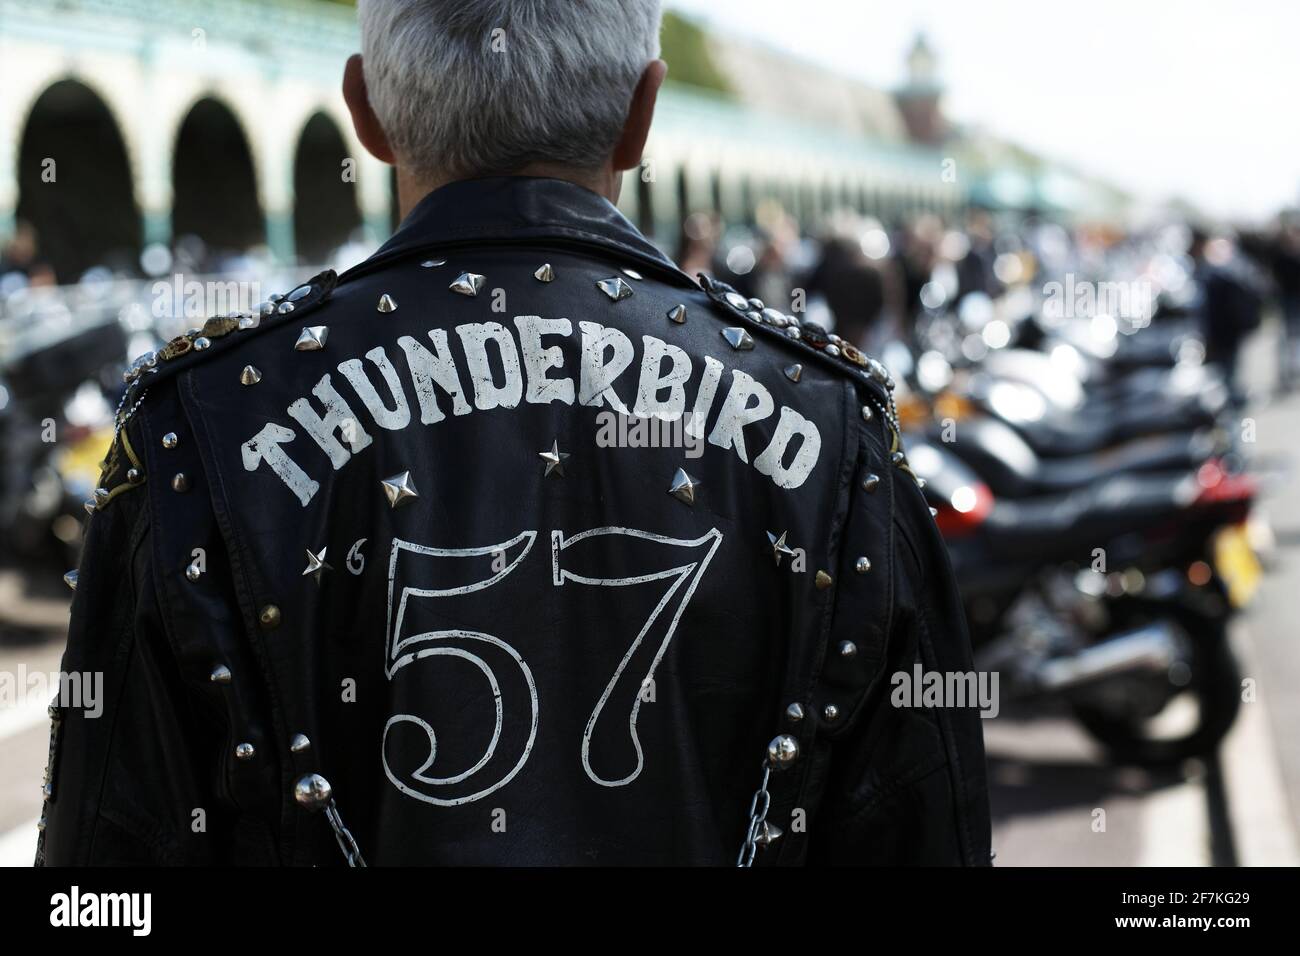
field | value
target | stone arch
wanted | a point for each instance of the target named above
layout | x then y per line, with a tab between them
326	212
75	182
214	183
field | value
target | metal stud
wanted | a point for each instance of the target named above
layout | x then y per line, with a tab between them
615	288
250	375
193	572
284	308
738	338
779	548
467	283
180	482
70	579
316	565
245	751
299	744
399	489
266	308
220	674
823	580
134	476
773	317
311	338
755	304
201	343
794	372
848	649
432	263
794	713
301	292
870	483
677	314
387	303
737	301
683	487
867	413
544	273
832	350
312	792
275	298
831	713
101	496
249	321
862	565
269	617
897	458
554	460
792	332
769	834
170	441
782	751
89	505
632	274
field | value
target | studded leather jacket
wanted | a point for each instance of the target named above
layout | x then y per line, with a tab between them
512	545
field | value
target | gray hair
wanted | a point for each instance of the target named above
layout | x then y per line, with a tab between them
483	87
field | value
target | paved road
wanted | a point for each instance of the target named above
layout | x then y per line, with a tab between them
1049	781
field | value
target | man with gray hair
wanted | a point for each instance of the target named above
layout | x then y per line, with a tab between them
513	544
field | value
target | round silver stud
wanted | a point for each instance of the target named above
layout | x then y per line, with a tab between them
180	482
867	413
831	713
201	343
897	458
220	674
193	572
299	293
862	565
312	791
300	743
848	649
782	751
284	308
756	305
832	350
794	713
170	440
269	617
134	476
870	483
245	752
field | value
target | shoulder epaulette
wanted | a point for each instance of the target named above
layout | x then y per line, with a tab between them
121	469
830	349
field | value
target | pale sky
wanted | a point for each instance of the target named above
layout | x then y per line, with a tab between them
1197	98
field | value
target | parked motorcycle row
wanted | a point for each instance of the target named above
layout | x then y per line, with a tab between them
1088	473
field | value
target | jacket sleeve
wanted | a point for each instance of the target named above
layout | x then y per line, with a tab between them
130	778
908	785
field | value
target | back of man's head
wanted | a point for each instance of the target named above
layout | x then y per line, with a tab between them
489	87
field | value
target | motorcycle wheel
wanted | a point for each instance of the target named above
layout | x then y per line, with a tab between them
1216	686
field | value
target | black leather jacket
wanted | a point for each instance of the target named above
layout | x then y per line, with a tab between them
397	565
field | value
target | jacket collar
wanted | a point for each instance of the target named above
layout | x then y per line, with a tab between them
521	210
